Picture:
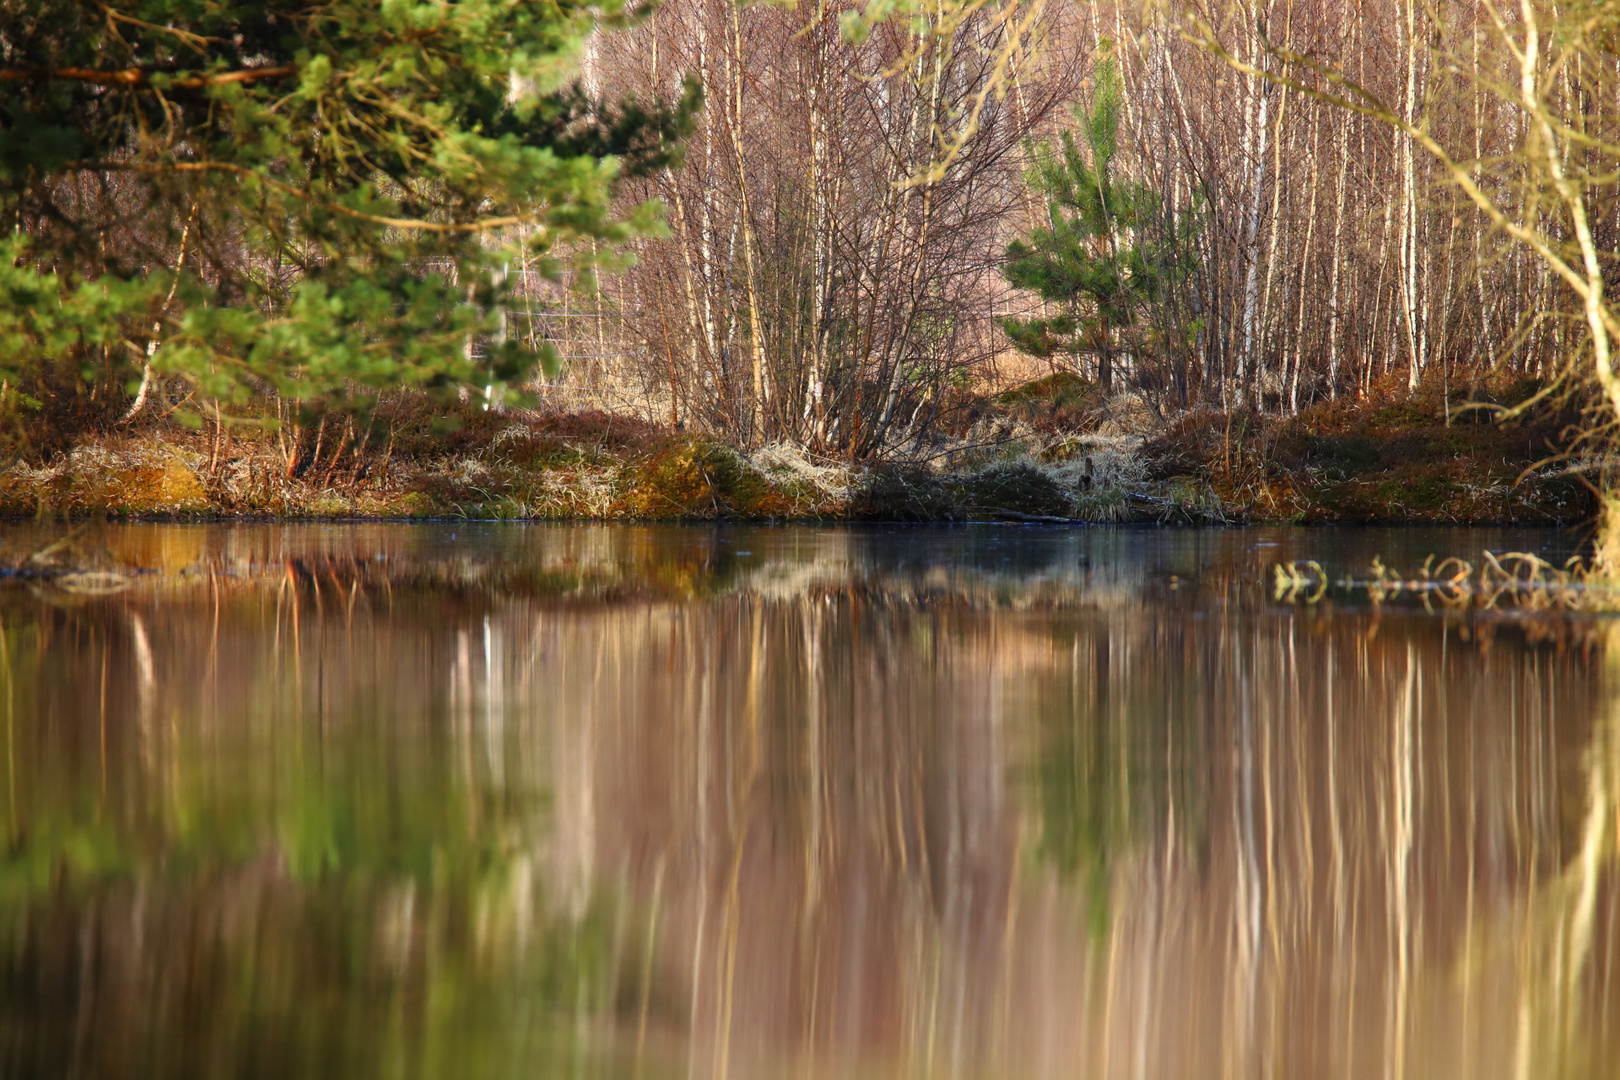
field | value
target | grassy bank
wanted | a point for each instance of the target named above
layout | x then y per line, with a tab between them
1403	458
1049	451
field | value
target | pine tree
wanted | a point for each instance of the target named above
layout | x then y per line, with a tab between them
1108	248
307	197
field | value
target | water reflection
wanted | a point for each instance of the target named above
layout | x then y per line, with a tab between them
473	801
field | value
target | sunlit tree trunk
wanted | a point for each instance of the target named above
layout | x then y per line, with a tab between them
1247	373
1408	34
759	411
1336	272
155	337
1310	232
815	406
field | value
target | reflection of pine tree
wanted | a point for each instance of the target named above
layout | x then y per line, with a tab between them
1109	247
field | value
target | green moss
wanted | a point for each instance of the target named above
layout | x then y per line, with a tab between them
1061	388
696	478
1062	401
418	504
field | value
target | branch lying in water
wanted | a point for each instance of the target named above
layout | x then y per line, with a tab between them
1525	579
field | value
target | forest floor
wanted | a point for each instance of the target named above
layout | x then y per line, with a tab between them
1049	451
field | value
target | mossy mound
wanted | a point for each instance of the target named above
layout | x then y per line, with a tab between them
1381	461
696	478
1015	489
423	430
137	479
1018	486
905	495
1060	402
538	450
1058	391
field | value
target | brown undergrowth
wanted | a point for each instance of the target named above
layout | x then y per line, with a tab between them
1052	450
1394	459
410	461
1034	454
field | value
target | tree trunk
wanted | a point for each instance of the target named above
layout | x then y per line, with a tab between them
759	411
1251	252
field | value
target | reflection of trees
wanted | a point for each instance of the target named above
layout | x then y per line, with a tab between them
240	842
1369	806
245	972
947	805
1115	759
1565	939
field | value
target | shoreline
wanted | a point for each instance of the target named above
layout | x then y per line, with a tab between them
1026	460
210	518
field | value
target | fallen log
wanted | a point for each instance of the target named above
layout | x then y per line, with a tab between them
1040	519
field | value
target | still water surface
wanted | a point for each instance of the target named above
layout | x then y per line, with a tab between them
471	801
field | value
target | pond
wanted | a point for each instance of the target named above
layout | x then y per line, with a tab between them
484	800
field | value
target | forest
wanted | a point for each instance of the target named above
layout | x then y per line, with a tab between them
1172	260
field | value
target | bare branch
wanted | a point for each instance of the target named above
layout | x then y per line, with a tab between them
142	78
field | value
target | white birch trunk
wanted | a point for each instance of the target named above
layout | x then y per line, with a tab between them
759	410
1407	23
1337	271
1251	283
